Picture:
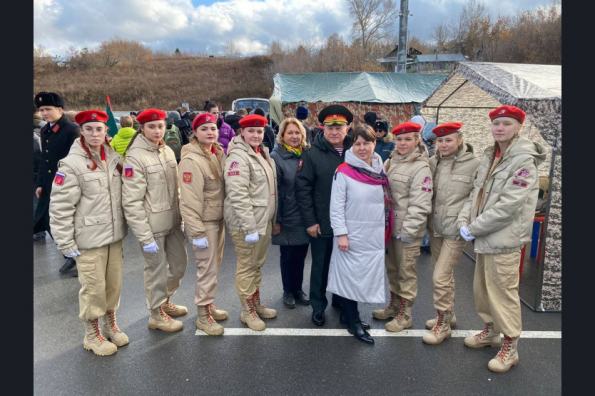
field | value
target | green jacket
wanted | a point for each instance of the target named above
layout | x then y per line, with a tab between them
121	140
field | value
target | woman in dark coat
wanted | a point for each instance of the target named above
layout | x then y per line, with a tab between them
289	231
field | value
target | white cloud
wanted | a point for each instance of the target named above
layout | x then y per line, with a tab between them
169	24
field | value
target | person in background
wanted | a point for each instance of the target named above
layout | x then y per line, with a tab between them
232	119
38	123
361	213
410	177
384	140
122	138
202	193
301	113
184	112
429	138
242	112
172	137
250	211
226	133
88	223
313	193
269	133
57	136
370	118
425	243
453	169
249	110
289	231
150	197
499	216
70	114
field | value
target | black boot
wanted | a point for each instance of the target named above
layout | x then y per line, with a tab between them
301	298
358	331
288	300
336	302
68	265
345	321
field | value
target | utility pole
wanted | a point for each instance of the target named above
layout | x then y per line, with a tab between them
402	53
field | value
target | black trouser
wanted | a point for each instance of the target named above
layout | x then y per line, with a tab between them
322	248
350	311
293	259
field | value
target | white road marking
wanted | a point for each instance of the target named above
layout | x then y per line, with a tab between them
373	333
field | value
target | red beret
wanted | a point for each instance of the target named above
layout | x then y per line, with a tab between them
406	127
508	111
253	120
90	116
203	119
150	115
447	129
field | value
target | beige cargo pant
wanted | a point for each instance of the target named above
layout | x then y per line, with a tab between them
401	268
160	279
251	258
208	262
446	255
496	291
100	275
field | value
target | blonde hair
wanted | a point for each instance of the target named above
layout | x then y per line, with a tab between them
283	127
126	121
461	140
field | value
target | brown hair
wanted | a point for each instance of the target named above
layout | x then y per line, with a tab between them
366	132
94	166
283	126
126	121
242	112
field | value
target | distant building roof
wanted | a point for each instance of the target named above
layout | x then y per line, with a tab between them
393	60
441	58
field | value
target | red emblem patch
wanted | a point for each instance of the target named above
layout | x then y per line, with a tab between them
300	165
523	173
55	128
428	189
519	183
427	180
234	165
187	177
128	171
59	179
233	173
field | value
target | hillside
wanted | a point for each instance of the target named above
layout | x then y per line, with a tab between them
160	82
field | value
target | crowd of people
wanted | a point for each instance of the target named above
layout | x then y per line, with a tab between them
361	197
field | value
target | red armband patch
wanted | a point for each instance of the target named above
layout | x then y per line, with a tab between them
59	179
519	183
128	171
187	177
233	173
428	189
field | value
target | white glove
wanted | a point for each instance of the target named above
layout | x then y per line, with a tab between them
464	231
151	247
182	227
201	243
252	238
73	254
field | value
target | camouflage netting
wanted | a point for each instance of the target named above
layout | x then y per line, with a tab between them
471	91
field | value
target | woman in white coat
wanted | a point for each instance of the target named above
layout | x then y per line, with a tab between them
361	218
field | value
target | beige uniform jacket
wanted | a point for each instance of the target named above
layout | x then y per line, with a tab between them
150	193
411	186
85	205
201	191
251	188
506	221
452	186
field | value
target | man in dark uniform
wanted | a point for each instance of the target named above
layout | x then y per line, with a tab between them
56	138
313	192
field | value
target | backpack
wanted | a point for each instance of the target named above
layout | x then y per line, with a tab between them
172	140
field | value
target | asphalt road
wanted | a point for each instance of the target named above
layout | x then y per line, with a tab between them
183	363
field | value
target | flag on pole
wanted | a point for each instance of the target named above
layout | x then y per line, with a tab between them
111	121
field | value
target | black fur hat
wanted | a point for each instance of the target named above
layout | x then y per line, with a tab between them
48	99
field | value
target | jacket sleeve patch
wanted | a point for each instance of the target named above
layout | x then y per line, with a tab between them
128	171
234	165
520	183
427	180
233	173
187	177
522	174
59	179
427	189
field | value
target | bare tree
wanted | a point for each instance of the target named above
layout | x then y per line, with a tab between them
231	49
373	21
441	35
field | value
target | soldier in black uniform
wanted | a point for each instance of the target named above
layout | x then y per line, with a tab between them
57	136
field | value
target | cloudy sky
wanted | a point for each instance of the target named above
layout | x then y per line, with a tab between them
204	26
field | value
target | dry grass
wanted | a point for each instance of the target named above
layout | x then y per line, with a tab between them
160	82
